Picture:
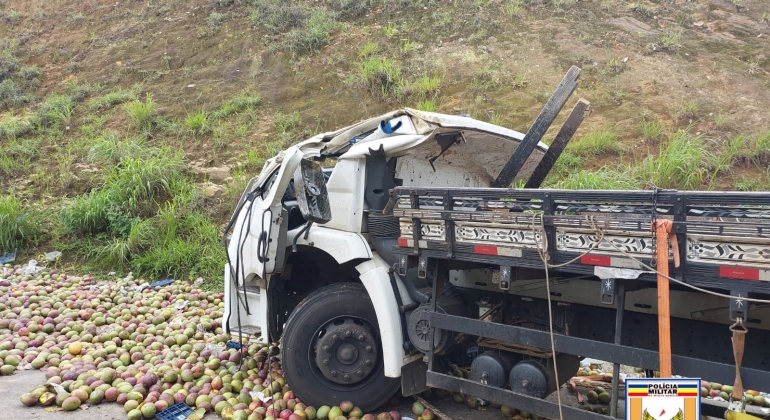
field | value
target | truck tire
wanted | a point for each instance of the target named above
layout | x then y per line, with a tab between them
331	350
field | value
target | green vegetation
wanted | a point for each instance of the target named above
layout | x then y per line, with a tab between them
605	178
652	128
108	141
198	123
238	103
597	141
56	111
381	76
17	81
146	216
141	113
215	19
301	28
428	105
18	226
286	122
112	98
684	162
313	35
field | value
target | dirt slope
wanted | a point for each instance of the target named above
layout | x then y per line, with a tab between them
233	81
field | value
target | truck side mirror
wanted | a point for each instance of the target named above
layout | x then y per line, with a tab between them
310	188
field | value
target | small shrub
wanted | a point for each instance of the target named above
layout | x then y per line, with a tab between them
141	113
115	97
12	127
641	10
78	91
237	103
735	150
652	129
287	122
407	46
688	110
721	120
185	241
11	93
390	29
513	8
427	85
92	124
314	34
496	119
567	163
484	80
605	178
381	75
279	16
368	49
683	163
597	141
198	123
762	149
215	19
427	105
56	110
747	183
30	72
353	8
670	42
17	224
519	81
108	149
13	16
615	64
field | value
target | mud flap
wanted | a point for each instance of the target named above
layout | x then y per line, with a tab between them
413	378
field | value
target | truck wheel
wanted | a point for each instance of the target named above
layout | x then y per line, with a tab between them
331	349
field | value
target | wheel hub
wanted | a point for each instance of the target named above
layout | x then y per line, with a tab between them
347	352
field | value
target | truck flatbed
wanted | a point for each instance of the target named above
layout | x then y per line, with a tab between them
723	237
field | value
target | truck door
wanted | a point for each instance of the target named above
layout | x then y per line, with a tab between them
255	241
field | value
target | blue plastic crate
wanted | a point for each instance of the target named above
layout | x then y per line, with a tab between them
232	344
8	257
161	283
178	411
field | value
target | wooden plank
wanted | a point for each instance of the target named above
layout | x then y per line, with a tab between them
538	129
576	116
432	408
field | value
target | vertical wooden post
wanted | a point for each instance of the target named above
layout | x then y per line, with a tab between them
662	229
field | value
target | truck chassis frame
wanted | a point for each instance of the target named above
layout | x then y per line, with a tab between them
433	232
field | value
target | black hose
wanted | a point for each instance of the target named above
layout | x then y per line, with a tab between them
415	294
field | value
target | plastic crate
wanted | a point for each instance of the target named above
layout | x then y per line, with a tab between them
232	344
161	283
178	411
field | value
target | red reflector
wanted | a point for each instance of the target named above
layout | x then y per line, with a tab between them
485	249
402	242
596	260
739	273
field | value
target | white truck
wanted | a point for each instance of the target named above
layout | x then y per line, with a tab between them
374	251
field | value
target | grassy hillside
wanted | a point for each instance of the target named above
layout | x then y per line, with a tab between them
128	129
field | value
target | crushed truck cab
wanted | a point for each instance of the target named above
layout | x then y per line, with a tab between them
391	253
